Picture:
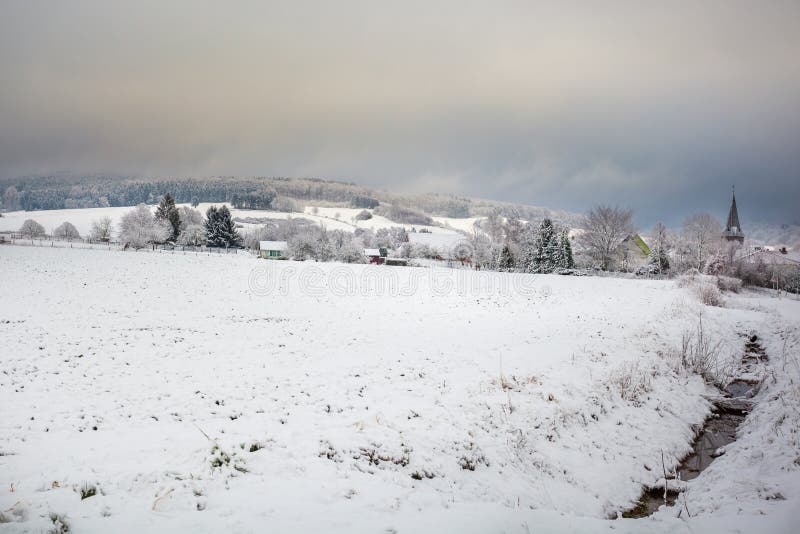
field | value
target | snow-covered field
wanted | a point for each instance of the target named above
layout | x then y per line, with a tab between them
227	394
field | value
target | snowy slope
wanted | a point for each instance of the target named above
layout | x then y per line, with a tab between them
380	399
82	218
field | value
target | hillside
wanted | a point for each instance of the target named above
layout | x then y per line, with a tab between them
283	194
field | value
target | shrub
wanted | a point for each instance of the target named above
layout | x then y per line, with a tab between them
728	283
632	382
700	354
363	215
705	287
709	294
88	490
60	524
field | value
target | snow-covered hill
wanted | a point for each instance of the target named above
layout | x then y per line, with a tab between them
331	218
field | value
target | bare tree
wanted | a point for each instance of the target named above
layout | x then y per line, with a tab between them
493	226
193	234
190	216
101	229
604	230
192	231
31	229
701	236
138	227
67	230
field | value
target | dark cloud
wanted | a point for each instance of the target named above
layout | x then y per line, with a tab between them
657	107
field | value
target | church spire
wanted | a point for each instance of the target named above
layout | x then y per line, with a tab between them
733	229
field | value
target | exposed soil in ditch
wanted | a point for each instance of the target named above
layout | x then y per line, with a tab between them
718	431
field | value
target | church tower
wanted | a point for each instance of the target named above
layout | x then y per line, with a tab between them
733	230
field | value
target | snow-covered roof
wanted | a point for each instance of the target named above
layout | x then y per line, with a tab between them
372	252
272	245
772	257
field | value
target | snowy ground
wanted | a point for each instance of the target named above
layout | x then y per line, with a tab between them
379	399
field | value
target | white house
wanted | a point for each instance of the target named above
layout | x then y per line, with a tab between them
273	249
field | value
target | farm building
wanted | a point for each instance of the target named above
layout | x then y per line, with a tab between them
273	249
376	255
633	253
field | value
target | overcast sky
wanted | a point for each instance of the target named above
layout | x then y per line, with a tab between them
658	106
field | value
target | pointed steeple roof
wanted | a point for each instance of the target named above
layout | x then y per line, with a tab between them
733	217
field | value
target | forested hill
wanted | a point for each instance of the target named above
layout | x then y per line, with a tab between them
288	194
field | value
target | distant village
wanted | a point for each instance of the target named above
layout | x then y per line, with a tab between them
605	241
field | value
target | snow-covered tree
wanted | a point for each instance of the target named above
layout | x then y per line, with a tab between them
566	259
190	216
604	230
481	249
101	229
66	230
31	229
701	235
138	228
546	249
194	235
346	247
220	228
167	211
391	238
493	226
514	231
506	261
11	198
192	230
660	245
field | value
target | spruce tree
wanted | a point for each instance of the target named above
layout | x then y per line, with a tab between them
226	233
212	228
545	253
506	260
659	261
167	211
568	262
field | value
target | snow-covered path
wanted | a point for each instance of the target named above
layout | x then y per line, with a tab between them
373	398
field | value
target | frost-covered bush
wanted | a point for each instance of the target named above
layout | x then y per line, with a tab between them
705	287
363	215
709	294
728	283
688	278
701	353
632	382
60	524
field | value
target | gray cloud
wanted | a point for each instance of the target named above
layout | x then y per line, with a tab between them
656	106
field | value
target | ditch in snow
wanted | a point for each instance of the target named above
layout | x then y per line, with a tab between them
718	431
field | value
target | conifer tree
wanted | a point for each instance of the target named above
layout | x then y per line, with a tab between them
568	262
212	227
220	228
506	260
167	211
